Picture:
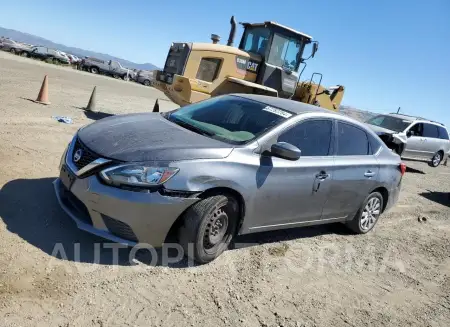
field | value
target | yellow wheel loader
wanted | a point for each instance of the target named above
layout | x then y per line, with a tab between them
267	61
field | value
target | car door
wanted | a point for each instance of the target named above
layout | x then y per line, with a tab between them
431	143
292	192
415	145
354	174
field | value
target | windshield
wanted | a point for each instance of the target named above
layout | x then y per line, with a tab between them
393	123
285	52
255	39
230	119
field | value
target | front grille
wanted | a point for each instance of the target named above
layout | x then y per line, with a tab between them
176	58
87	156
119	228
71	201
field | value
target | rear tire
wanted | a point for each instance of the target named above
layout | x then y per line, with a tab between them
436	160
24	54
208	227
368	214
55	61
13	51
126	78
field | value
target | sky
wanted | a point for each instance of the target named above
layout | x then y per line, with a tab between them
387	54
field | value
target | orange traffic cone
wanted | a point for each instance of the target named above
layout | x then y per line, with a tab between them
92	100
43	93
156	106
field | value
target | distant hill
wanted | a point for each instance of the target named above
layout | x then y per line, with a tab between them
357	114
36	40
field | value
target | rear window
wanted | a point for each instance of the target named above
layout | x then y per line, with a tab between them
352	141
443	134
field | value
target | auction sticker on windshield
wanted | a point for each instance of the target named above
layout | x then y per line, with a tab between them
278	112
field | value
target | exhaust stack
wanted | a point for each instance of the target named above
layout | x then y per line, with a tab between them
232	32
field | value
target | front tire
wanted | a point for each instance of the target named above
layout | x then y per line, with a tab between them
146	82
13	51
436	160
368	214
208	227
94	70
126	78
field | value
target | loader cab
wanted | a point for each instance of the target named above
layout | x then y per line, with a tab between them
281	50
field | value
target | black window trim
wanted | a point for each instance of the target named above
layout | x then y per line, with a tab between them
336	137
331	147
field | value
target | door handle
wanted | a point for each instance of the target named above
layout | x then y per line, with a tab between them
322	175
369	173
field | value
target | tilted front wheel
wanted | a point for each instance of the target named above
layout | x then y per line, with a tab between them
208	227
368	214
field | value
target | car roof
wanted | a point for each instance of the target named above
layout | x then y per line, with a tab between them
414	118
280	26
300	108
286	104
406	117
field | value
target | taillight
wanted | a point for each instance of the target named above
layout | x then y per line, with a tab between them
402	168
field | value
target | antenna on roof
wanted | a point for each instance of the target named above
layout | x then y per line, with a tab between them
398	110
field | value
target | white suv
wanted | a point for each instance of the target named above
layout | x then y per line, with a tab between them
413	137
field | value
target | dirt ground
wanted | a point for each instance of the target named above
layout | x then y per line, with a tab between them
398	275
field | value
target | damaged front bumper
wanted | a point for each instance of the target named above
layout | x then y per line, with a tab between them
122	216
394	141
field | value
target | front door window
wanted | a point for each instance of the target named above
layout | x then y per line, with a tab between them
285	52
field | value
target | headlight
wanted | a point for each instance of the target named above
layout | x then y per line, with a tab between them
138	175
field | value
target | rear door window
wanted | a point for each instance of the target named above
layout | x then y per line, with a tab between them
352	141
312	137
443	134
430	130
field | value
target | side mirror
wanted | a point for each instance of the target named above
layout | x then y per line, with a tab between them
409	133
285	150
314	49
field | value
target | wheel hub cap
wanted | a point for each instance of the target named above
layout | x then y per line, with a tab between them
217	227
370	213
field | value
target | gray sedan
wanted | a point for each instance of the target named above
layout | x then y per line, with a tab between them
234	164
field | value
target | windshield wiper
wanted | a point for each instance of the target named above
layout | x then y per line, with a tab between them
190	127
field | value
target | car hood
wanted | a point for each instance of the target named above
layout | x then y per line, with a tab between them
147	137
395	136
380	130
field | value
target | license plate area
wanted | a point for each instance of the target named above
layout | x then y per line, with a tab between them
67	177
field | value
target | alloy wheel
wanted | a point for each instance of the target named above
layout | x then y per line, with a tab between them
370	213
436	159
